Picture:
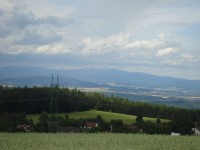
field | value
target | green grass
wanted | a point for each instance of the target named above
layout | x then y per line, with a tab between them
127	119
101	141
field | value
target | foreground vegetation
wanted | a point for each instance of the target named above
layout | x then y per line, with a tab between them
12	122
102	141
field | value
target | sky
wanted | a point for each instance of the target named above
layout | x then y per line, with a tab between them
160	37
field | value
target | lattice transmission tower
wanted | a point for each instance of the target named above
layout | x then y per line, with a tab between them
53	106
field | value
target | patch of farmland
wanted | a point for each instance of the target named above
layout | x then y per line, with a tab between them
101	141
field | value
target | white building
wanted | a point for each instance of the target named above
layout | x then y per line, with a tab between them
196	131
175	134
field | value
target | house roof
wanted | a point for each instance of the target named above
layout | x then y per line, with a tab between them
91	124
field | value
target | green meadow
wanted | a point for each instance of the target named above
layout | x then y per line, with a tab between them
107	116
100	141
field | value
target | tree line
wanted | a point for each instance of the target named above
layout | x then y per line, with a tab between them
34	100
9	122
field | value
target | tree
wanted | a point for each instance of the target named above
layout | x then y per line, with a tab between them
104	126
116	125
158	120
42	125
9	121
198	124
99	119
139	120
182	126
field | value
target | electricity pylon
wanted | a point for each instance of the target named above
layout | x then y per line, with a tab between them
53	107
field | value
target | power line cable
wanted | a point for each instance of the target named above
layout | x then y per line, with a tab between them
7	101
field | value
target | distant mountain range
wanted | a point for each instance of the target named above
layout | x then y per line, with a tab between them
132	85
33	76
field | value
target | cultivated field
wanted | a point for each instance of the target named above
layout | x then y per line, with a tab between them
107	116
102	141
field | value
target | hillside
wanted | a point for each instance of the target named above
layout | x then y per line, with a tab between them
34	100
135	86
107	116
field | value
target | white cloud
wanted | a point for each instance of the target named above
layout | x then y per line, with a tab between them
100	46
166	52
52	49
188	56
145	44
19	49
21	31
124	47
5	5
103	33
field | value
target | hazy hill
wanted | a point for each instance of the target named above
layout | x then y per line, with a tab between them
93	76
46	81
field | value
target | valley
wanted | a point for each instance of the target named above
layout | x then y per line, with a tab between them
133	86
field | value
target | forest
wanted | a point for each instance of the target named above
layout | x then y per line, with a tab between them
16	102
34	100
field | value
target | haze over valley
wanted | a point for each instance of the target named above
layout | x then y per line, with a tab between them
135	86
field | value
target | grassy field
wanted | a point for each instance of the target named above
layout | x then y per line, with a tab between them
103	141
127	119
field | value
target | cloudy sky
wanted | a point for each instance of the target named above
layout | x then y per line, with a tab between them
159	37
